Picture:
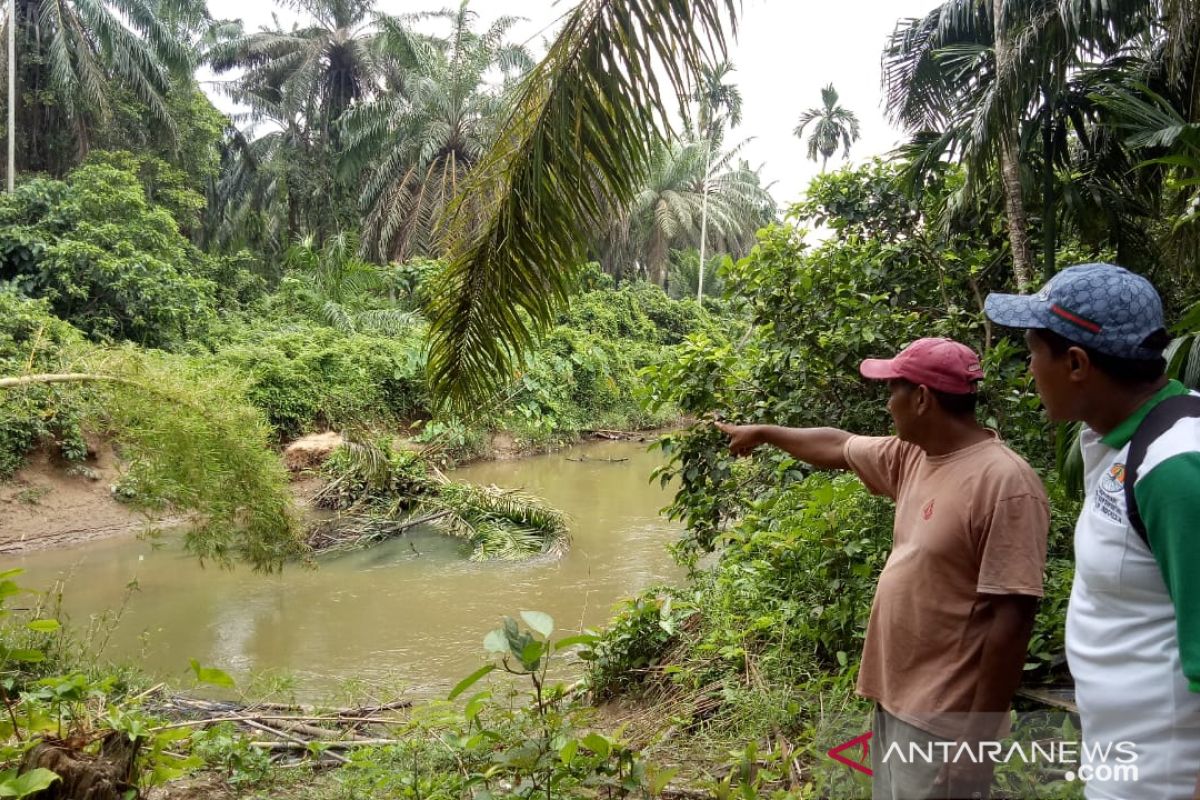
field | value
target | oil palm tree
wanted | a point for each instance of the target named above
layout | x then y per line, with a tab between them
319	70
832	125
73	57
666	214
572	153
416	142
297	83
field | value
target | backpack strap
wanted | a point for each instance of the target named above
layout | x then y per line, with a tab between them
1160	420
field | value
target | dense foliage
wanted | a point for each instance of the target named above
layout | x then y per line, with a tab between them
404	217
109	260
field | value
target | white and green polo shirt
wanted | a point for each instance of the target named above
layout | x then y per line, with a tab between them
1133	624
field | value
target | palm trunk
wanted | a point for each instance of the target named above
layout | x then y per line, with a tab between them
11	170
1049	215
1010	169
703	223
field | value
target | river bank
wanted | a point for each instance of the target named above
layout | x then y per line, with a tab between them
409	613
51	503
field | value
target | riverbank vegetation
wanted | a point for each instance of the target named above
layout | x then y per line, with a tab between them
433	238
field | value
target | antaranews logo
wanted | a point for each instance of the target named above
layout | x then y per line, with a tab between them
1115	761
862	740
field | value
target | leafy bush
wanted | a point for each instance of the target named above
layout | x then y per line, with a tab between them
305	374
33	340
110	262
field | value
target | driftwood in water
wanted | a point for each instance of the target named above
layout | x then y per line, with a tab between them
107	776
586	460
353	532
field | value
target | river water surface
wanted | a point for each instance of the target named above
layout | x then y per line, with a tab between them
410	613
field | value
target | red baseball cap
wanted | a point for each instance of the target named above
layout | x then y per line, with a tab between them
941	364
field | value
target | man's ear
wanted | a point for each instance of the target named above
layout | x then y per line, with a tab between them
1079	363
924	399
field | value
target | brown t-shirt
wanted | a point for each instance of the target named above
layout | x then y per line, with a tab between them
968	523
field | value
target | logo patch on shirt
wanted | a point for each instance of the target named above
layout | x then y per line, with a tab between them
927	511
1110	500
1114	480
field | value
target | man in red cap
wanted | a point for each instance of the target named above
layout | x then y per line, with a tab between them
955	603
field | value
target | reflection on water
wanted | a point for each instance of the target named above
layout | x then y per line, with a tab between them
412	610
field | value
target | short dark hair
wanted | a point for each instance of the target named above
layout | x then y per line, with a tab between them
956	405
1123	371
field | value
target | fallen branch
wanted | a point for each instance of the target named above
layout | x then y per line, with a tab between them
585	459
341	719
296	740
65	377
359	531
333	745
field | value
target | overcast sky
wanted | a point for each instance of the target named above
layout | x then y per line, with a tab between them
786	50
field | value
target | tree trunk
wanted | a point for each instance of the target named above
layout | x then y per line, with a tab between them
1010	168
1049	212
703	222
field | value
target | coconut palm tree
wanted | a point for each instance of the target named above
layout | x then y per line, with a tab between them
73	56
417	142
833	125
573	152
972	76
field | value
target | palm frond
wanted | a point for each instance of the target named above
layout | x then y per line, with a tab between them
559	170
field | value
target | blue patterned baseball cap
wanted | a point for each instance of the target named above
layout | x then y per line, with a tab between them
1101	306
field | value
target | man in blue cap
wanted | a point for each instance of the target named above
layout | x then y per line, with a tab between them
1096	337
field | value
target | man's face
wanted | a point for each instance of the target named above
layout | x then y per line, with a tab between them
901	406
1052	376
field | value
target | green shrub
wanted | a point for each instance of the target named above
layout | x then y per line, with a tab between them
305	375
110	262
31	341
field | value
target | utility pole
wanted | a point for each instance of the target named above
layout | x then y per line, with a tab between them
12	94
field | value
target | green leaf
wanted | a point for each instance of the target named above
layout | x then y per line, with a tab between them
571	641
475	705
24	785
597	744
660	780
26	656
212	676
532	654
43	625
496	641
568	751
539	621
470	680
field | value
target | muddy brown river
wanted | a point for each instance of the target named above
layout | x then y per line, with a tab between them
409	614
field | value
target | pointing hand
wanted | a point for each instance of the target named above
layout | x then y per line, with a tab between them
742	438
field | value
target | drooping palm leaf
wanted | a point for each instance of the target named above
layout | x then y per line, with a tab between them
572	153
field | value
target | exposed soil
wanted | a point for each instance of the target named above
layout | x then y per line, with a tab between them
51	503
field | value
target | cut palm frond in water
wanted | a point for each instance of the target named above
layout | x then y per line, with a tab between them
382	493
502	524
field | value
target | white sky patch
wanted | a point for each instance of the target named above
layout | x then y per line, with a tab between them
786	50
